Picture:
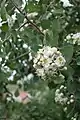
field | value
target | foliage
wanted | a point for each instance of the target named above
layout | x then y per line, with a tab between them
26	27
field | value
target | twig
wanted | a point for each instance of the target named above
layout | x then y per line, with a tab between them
8	91
22	55
24	14
22	26
7	38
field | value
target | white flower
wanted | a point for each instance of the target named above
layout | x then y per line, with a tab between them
65	109
48	60
30	56
68	37
30	76
40	72
71	100
25	46
8	98
62	86
11	78
0	24
0	19
57	91
31	15
24	3
0	59
60	61
72	96
14	17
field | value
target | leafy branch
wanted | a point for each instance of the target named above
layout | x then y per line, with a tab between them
28	21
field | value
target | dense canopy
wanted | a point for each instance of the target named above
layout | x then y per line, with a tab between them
40	59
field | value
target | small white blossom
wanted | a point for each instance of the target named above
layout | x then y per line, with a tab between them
31	15
60	61
0	59
65	109
30	56
11	78
0	19
71	100
72	96
30	76
8	98
68	102
62	86
25	46
14	17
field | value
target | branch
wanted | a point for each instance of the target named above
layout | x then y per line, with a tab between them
22	26
22	55
24	14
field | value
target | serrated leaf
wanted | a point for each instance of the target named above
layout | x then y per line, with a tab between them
12	87
58	80
67	52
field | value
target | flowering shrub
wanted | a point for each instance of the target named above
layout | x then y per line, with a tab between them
40	59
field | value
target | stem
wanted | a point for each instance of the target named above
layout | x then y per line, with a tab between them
22	26
22	55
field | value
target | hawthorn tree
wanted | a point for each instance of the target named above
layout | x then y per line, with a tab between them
39	59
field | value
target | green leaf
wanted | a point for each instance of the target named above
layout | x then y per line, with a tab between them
3	10
18	2
4	27
78	60
45	24
12	87
67	52
32	7
52	38
56	26
58	80
2	77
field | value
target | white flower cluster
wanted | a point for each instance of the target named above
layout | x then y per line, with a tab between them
62	98
48	60
74	117
66	3
73	38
